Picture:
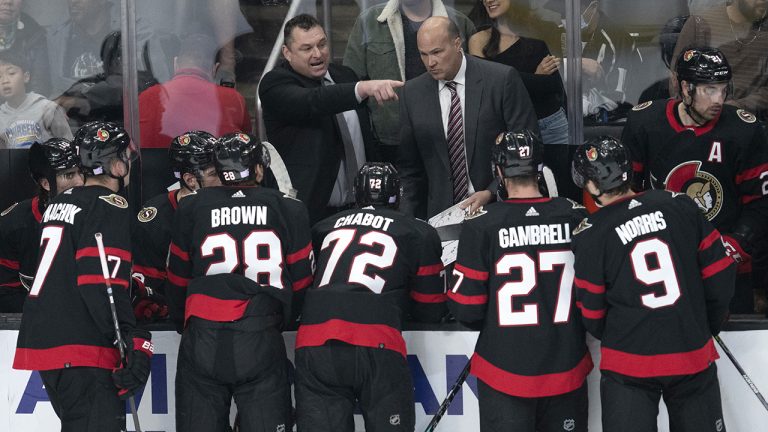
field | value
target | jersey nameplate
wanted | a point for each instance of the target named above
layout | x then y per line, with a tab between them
115	200
745	115
8	210
147	214
642	106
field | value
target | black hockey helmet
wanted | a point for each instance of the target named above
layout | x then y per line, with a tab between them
98	142
190	152
517	154
605	161
703	65
236	154
377	184
50	157
668	37
54	155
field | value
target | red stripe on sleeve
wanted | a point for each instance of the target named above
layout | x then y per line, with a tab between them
94	252
590	313
428	298
177	280
716	267
302	283
430	270
149	271
751	173
746	199
299	255
99	280
589	286
708	240
468	300
179	252
472	274
11	264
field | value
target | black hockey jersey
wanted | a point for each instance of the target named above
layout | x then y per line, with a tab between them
653	282
374	266
514	270
151	237
19	242
722	165
238	252
67	320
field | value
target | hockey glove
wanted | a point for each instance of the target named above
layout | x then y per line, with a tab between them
734	250
134	373
148	305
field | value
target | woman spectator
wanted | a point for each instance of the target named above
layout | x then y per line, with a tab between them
502	43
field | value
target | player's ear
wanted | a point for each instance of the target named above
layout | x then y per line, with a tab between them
44	184
259	171
190	181
119	167
592	188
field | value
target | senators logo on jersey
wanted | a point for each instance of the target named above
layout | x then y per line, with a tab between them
702	187
147	214
115	200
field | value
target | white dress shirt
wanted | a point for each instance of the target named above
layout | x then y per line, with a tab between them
342	192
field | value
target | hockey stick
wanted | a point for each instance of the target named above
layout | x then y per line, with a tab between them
744	375
119	335
449	398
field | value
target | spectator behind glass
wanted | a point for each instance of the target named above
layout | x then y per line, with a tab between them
667	41
21	35
739	29
609	57
531	57
100	96
26	118
382	45
76	45
190	100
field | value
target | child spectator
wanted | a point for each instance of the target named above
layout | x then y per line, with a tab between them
26	117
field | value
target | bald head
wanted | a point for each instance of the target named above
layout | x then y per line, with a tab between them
439	45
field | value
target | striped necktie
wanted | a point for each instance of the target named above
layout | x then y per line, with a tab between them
456	151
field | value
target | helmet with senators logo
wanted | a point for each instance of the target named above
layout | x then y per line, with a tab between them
191	152
703	65
517	153
236	155
99	142
605	161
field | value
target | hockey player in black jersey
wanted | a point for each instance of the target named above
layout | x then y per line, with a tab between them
711	151
191	156
55	167
375	267
513	277
653	282
67	330
239	254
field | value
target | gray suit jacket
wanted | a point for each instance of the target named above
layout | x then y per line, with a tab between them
496	101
